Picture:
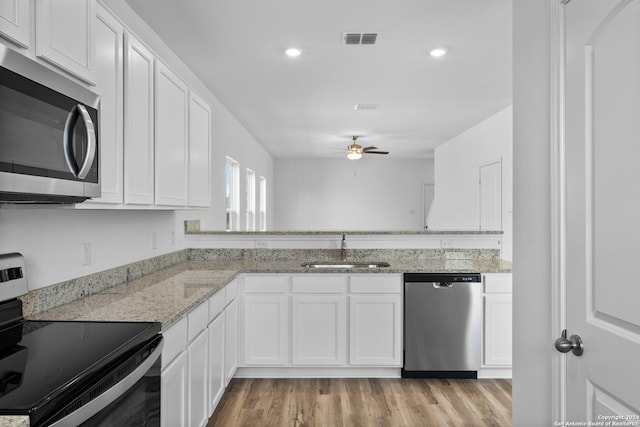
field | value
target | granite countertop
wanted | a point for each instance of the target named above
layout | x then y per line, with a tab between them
338	232
14	421
167	295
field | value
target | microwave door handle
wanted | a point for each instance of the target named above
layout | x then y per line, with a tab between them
91	142
67	141
79	111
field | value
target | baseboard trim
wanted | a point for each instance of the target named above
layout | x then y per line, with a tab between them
324	372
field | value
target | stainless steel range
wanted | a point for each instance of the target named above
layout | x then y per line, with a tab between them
75	373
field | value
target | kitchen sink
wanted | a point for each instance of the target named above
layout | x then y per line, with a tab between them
345	264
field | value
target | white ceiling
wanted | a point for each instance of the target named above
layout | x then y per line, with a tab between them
304	106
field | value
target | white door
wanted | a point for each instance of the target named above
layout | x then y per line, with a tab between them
602	134
491	196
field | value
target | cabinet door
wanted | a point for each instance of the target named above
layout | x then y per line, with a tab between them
216	361
64	35
199	152
198	407
231	340
173	406
497	329
319	330
15	19
138	123
109	45
375	325
266	330
171	119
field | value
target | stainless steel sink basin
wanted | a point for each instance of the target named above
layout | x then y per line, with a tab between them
345	264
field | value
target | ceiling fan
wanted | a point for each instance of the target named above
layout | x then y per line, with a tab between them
355	150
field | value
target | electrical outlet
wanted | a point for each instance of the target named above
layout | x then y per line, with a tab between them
447	244
154	240
86	253
261	244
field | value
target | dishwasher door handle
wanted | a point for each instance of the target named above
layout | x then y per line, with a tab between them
439	285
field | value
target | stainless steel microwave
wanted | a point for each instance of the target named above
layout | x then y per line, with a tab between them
49	143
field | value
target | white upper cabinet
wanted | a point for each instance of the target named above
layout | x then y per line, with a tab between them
138	123
64	35
109	45
15	19
199	152
171	155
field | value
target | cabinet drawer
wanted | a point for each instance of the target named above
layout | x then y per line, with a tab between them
175	341
320	284
231	291
376	284
217	303
198	320
499	283
268	284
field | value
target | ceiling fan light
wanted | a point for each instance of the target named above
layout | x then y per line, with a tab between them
354	155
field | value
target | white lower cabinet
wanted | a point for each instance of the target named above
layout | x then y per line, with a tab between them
322	320
174	379
319	330
498	324
375	328
266	330
173	406
198	353
216	362
231	340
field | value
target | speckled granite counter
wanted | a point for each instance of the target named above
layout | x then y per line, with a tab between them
193	227
14	421
167	295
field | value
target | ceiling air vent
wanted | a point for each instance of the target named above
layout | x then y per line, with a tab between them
360	38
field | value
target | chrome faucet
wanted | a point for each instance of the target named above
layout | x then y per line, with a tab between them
343	248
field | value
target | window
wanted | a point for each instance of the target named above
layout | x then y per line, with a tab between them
263	204
233	195
250	192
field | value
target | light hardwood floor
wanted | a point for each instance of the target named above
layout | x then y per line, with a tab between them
334	402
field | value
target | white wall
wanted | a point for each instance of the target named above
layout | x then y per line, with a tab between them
51	239
532	334
457	166
374	193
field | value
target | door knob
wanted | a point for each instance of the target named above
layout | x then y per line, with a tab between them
573	344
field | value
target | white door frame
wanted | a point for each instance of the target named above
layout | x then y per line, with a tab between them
558	208
480	166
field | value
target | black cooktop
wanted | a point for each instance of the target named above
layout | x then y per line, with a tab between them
44	364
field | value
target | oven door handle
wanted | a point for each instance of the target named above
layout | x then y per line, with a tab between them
111	395
79	111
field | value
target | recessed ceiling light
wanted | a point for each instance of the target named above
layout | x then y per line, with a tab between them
366	107
293	52
438	52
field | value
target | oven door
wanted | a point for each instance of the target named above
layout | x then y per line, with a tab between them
132	401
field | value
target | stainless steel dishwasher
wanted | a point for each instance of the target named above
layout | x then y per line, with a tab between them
442	325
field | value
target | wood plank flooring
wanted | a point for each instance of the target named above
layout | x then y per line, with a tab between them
333	402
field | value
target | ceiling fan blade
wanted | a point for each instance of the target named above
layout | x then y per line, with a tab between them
376	152
369	148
